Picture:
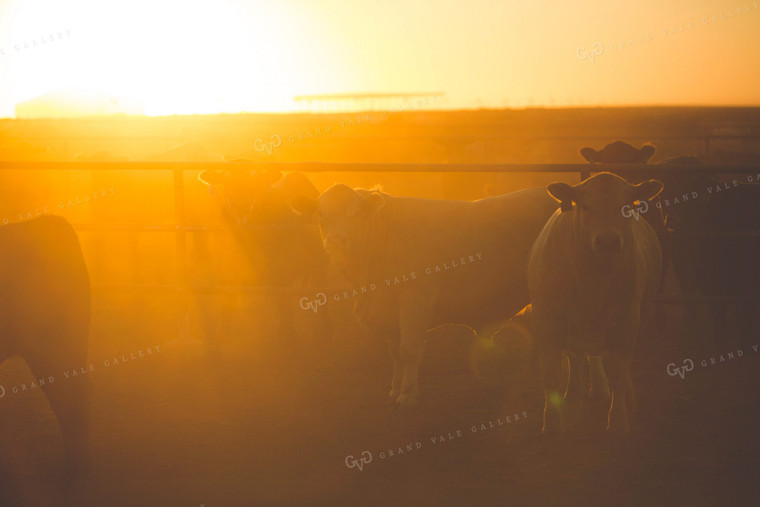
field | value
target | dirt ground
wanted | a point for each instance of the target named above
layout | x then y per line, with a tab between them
272	423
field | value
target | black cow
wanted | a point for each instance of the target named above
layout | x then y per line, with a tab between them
281	247
697	207
618	152
45	318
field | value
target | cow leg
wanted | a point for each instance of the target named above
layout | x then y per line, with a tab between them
718	311
223	329
70	400
688	323
621	406
324	326
576	387
285	311
664	272
745	316
413	321
600	386
394	346
214	314
318	280
660	315
551	359
412	348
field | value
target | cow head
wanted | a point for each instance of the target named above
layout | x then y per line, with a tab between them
618	152
344	216
602	227
246	193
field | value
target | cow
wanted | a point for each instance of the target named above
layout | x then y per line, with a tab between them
701	212
279	246
733	157
592	277
45	319
682	191
679	207
431	262
618	152
621	152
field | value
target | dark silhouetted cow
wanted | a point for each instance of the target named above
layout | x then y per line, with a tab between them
707	215
619	152
45	319
280	247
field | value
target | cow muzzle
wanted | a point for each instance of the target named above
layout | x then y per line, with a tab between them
608	243
335	244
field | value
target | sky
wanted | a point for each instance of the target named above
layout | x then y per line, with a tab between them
210	56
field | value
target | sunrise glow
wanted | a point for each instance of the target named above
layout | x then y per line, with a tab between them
203	57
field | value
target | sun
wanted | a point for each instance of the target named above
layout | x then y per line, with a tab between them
195	58
187	57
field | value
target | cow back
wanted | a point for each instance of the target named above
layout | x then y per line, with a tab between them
46	289
470	255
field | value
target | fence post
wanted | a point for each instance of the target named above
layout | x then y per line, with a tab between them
183	315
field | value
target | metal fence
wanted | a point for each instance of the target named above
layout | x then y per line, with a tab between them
706	141
180	227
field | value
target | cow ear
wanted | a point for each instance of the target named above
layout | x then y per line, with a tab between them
306	206
373	202
297	183
589	154
646	152
647	190
209	177
564	193
272	176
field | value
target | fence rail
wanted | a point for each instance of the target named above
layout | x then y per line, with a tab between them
339	135
431	136
377	167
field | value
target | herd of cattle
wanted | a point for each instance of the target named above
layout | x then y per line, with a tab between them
574	264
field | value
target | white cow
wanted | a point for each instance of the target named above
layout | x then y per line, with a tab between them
418	263
592	277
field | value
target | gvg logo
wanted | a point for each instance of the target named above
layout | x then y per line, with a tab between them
269	146
314	304
364	459
635	212
596	50
681	371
